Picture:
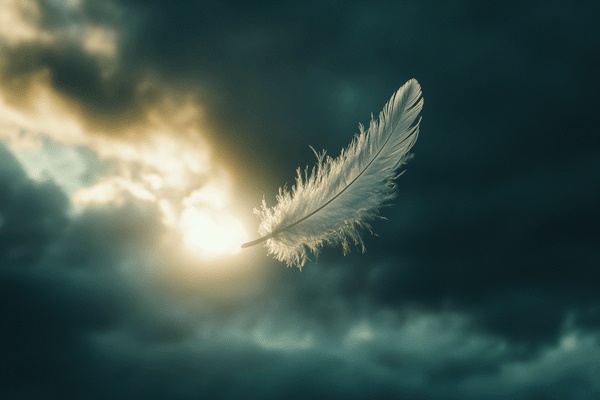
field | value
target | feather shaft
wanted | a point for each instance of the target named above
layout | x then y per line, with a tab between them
274	233
302	220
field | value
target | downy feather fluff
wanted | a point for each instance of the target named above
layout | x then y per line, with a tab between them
332	202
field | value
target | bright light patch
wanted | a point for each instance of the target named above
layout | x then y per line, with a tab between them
207	226
111	190
212	234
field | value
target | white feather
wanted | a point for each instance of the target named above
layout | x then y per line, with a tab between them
342	195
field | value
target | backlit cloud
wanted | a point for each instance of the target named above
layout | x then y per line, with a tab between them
159	154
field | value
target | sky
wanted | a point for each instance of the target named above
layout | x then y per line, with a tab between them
137	137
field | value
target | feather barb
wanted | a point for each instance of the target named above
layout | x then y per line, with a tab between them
341	195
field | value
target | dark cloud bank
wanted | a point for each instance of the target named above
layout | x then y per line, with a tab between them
489	259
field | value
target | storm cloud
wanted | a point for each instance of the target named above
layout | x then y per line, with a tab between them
120	120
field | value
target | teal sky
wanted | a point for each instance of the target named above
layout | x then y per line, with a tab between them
136	137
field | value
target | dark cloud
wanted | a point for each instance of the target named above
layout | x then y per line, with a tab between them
103	237
31	214
74	74
486	266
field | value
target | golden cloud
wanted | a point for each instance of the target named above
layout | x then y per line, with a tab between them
155	148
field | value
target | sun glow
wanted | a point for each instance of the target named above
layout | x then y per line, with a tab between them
207	225
212	234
